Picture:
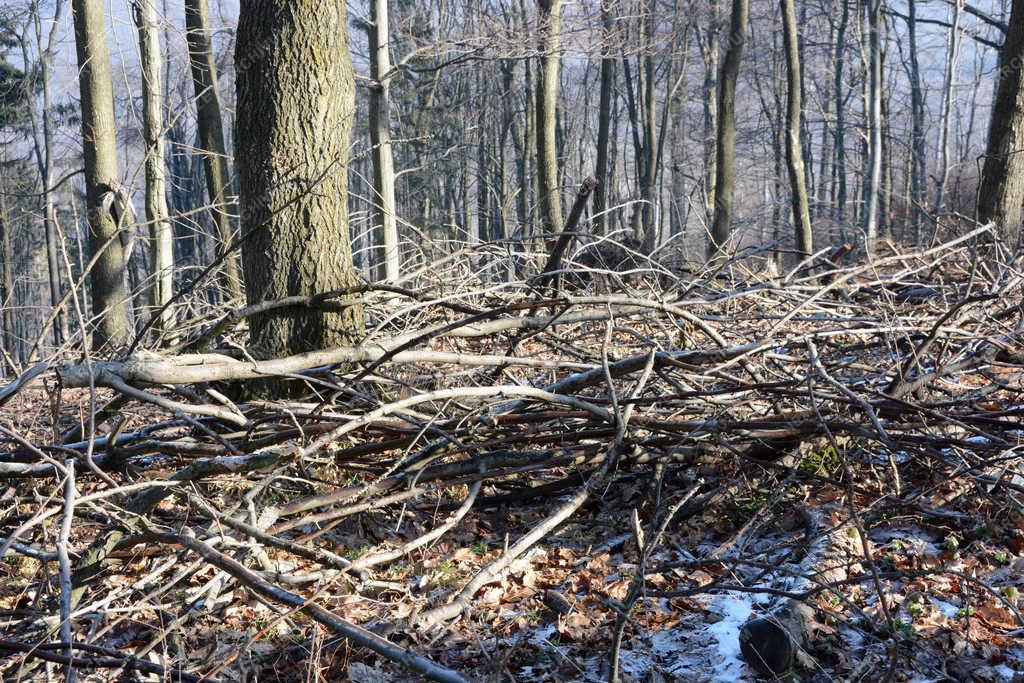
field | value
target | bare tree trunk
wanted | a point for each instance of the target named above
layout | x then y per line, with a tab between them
293	168
840	107
380	137
161	238
613	159
725	171
952	52
529	172
8	338
604	117
549	16
710	49
917	148
666	127
794	153
820	190
42	144
873	107
885	225
1002	177
211	135
649	170
634	106
772	108
528	181
110	302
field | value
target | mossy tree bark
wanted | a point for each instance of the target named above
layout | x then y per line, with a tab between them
296	101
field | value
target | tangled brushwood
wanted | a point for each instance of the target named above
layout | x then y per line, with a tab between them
707	477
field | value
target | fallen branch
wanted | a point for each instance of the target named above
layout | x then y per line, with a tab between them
356	634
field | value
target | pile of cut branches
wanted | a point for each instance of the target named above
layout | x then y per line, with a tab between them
492	459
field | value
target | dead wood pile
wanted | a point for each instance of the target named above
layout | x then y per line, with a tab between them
177	498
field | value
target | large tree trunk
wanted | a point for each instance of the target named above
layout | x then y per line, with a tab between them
1002	176
211	136
161	242
794	110
296	101
604	117
110	302
547	102
725	148
380	137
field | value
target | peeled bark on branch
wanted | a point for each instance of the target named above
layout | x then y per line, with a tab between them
212	367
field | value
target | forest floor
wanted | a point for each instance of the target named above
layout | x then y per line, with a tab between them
513	484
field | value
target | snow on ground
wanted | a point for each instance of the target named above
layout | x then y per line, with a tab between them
948	609
736	609
704	648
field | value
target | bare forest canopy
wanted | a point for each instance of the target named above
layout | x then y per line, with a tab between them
511	340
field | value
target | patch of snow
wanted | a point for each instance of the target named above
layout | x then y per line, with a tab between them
948	609
541	635
735	610
1004	672
678	651
852	637
633	663
697	651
